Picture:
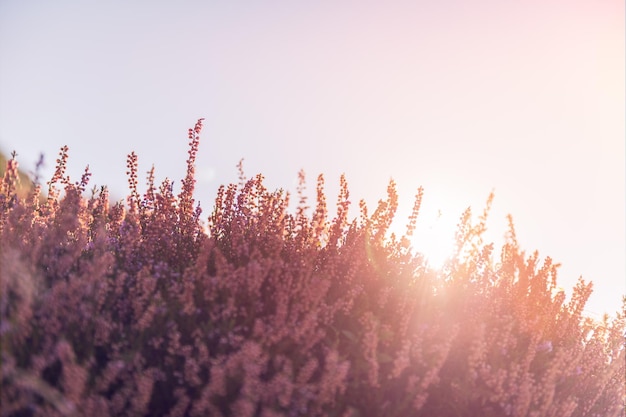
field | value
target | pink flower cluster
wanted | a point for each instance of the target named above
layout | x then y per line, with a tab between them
143	310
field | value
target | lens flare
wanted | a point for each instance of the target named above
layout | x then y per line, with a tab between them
434	236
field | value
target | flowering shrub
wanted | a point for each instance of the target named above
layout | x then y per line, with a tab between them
142	309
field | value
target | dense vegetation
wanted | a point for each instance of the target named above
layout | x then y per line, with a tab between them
147	308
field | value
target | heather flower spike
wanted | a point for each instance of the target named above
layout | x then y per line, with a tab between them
109	309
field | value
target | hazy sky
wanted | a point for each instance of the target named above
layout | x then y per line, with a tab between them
461	97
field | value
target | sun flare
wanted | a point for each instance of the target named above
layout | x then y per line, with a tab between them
434	236
438	221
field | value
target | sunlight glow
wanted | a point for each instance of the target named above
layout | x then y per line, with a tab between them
434	234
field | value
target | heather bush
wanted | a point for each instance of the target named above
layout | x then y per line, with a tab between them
146	308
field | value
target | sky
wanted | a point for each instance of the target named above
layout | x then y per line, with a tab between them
461	97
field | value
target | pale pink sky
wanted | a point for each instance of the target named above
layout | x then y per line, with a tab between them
462	97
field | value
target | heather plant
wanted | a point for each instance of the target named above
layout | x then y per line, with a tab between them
143	307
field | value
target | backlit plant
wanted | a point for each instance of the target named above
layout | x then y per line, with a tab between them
147	308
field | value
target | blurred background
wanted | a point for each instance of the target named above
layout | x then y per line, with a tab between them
461	97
